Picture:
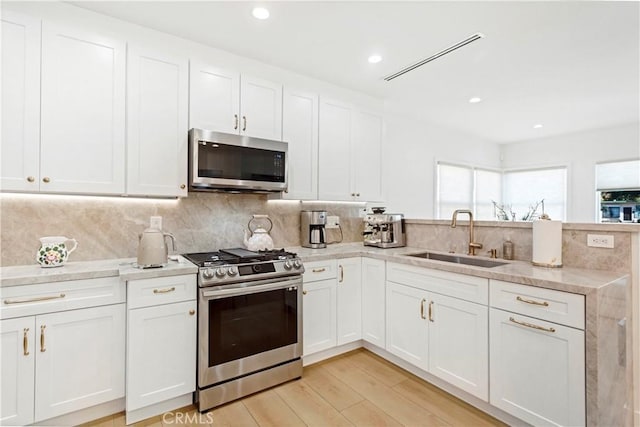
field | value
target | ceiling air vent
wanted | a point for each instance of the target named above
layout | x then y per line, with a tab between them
443	52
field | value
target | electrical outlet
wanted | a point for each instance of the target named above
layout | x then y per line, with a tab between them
600	240
333	221
155	222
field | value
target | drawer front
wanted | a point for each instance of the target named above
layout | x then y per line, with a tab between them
161	290
546	304
28	300
469	288
319	270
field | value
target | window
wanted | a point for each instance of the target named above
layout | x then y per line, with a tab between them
466	187
618	191
524	189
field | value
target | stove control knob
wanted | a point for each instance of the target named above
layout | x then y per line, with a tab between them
287	265
232	271
297	264
207	274
221	271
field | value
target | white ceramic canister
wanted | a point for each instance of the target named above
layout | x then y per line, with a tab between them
53	250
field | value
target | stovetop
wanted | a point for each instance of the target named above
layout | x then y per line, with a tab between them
240	265
235	256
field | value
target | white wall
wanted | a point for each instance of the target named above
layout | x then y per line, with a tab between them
580	152
412	147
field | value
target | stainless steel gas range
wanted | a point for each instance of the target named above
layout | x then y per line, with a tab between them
249	322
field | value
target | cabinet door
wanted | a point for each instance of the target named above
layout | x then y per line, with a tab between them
261	106
349	300
319	316
537	375
20	94
367	156
157	126
407	329
373	301
300	130
459	343
334	161
18	356
214	101
161	353
80	359
83	112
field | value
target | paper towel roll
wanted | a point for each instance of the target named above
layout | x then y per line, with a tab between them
547	243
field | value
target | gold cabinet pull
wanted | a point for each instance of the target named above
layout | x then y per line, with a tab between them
430	311
235	117
182	186
530	301
35	299
319	270
531	325
192	312
42	328
341	274
25	342
164	291
304	292
244	123
422	308
31	178
46	179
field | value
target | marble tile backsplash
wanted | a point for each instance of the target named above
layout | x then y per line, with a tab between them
108	227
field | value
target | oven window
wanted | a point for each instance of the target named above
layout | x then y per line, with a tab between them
240	163
245	325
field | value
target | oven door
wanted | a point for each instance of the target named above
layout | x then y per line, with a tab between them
248	328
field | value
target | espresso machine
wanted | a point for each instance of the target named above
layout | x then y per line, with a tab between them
312	229
384	230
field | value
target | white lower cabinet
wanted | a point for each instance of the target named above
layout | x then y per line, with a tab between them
18	370
318	316
349	300
537	366
407	329
57	360
80	359
161	343
373	301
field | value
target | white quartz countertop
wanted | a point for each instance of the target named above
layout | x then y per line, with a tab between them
568	279
123	267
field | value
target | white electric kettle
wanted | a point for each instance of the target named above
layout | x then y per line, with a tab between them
152	248
260	239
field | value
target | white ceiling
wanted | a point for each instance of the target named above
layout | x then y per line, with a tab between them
571	66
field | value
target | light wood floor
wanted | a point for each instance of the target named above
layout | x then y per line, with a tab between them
354	389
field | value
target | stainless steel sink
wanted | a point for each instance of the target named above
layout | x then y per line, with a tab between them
478	262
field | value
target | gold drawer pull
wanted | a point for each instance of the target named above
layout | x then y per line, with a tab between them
164	291
430	311
341	275
42	328
531	325
35	299
422	308
25	342
530	301
319	270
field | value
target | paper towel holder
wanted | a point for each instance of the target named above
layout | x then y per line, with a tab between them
554	261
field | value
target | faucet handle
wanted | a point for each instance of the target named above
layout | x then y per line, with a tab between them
493	253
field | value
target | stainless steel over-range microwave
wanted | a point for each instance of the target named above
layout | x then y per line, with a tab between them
221	161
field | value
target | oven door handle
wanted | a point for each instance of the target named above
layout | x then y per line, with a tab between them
266	285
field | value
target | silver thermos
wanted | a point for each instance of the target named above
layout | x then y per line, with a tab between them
312	229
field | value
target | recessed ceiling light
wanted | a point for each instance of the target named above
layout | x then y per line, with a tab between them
260	13
538	126
374	59
474	100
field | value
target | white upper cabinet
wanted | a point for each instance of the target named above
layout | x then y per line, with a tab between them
157	123
367	156
223	101
350	153
214	98
334	160
300	130
82	145
20	103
